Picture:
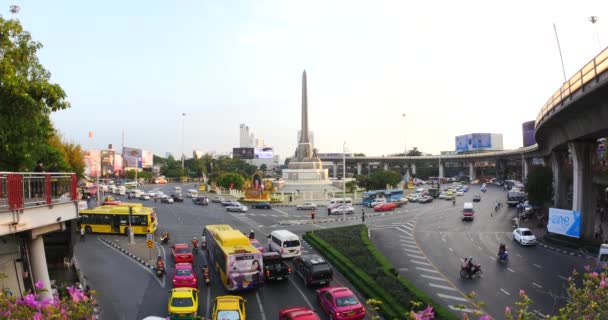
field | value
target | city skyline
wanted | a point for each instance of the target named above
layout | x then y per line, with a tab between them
450	75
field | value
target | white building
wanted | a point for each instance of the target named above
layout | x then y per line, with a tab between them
246	138
197	154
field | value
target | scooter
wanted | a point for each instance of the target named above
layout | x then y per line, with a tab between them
475	272
194	246
206	276
504	257
160	271
164	240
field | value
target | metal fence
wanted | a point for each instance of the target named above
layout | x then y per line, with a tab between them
3	193
23	190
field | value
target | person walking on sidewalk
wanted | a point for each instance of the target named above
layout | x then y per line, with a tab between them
82	232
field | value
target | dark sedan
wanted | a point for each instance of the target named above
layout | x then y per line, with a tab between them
476	198
261	205
177	197
203	201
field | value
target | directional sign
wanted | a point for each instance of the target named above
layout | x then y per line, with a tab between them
150	244
149	236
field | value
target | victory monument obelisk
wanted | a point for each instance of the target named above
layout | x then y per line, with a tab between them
305	169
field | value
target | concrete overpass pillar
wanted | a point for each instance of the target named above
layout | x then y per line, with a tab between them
472	170
385	166
441	169
560	187
413	168
40	269
524	165
359	168
582	185
335	169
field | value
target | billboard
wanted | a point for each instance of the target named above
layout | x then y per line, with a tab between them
528	131
243	153
147	159
92	162
264	153
564	222
107	162
117	163
473	141
132	157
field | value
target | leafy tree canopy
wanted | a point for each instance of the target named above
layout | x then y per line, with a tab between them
414	152
226	179
538	184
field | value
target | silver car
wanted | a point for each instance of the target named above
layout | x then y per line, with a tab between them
306	206
343	210
236	207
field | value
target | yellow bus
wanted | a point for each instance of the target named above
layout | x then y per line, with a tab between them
115	219
238	263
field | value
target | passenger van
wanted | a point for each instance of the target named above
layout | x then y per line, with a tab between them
336	202
121	190
467	211
285	242
191	193
177	190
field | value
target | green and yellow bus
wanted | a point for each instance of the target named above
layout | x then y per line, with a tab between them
115	219
238	263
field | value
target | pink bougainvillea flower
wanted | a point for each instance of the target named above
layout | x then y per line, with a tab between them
603	283
426	314
508	310
486	317
38	316
593	274
522	292
39	285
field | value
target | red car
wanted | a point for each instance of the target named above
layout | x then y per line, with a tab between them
385	207
340	303
298	313
182	253
184	276
257	245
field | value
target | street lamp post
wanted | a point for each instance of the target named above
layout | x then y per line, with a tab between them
183	121
95	163
594	20
344	177
404	136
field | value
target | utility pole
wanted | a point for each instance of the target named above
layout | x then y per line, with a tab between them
560	52
404	136
183	121
594	20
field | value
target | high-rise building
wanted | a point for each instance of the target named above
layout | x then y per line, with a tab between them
246	138
311	136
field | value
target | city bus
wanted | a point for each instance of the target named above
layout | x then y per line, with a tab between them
115	219
238	263
389	195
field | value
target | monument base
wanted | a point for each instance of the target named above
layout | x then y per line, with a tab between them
305	175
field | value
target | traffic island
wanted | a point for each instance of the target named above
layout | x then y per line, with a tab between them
337	218
139	252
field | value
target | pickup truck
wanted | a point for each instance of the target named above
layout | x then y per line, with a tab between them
274	267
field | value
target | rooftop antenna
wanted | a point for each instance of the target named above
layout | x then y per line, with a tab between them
14	10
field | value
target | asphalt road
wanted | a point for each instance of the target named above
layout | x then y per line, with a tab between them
128	291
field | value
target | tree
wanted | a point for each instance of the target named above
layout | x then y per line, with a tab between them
27	98
414	152
72	155
351	186
538	184
263	167
146	175
363	182
359	155
379	180
234	179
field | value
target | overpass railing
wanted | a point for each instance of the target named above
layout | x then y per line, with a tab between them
589	72
20	190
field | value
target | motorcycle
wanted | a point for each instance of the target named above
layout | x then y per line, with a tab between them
160	271
164	240
204	245
474	272
194	246
206	276
504	257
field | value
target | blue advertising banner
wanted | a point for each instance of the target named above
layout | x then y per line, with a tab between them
565	222
473	141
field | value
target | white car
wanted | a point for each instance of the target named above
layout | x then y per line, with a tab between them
524	236
306	206
151	194
236	207
459	193
144	196
442	195
377	202
343	210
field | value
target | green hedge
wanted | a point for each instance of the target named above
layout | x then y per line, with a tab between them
573	243
370	272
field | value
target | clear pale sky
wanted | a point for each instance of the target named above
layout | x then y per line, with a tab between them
453	67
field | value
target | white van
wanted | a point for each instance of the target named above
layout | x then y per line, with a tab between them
602	257
177	190
285	242
191	193
336	202
467	211
121	190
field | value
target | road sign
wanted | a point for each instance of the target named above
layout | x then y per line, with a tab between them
150	236
150	244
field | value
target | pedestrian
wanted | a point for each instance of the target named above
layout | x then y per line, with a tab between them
82	232
362	216
39	167
54	167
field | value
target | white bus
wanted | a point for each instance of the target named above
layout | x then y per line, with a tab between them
336	202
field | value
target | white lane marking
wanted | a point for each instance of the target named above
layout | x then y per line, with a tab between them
409	228
409	245
445	296
410	224
537	285
478	247
492	258
465	310
433	278
208	302
537	266
442	287
257	296
301	293
409	234
421	262
427	269
510	269
405	238
451	250
415	256
284	213
410	250
443	239
562	277
504	291
407	241
540	314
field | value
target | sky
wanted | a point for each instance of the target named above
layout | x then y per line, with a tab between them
452	67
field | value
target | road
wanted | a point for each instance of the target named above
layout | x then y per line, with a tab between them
128	291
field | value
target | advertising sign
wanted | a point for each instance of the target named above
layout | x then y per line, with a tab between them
264	153
245	271
93	162
132	157
242	153
473	141
107	162
117	163
528	131
147	159
565	222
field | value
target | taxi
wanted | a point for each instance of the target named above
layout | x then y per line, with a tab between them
228	308
183	303
182	253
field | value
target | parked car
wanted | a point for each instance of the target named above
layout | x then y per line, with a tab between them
524	236
298	313
306	206
342	210
182	253
236	207
203	201
177	197
183	302
261	205
166	199
413	197
274	267
184	276
340	303
313	269
476	198
228	307
385	207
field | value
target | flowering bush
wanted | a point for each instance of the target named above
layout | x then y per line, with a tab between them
76	305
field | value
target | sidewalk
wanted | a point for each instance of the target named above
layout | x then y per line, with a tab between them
138	251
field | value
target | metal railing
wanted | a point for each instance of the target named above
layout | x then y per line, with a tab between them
19	190
586	74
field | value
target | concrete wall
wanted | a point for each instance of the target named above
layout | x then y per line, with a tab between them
11	266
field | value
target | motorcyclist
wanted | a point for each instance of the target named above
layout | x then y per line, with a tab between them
251	234
165	237
469	266
160	264
203	241
453	202
205	272
194	242
502	249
